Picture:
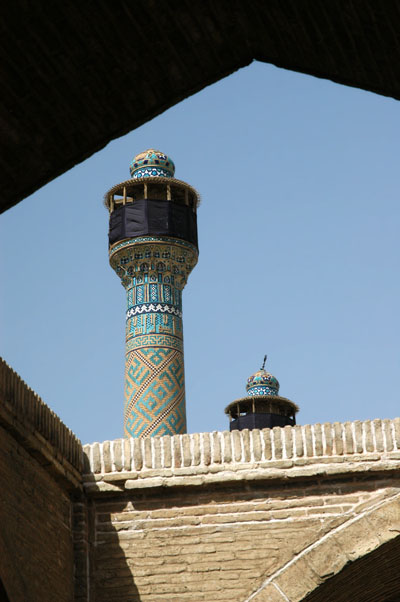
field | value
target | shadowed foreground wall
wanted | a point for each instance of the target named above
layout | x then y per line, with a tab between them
35	529
262	515
40	464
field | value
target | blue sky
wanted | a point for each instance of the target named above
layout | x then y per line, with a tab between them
299	256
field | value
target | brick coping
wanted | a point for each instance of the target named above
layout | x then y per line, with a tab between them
193	459
39	430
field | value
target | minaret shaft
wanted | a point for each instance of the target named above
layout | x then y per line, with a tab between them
154	271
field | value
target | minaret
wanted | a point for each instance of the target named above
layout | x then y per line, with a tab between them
263	407
153	248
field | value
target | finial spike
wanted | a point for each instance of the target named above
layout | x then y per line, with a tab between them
265	359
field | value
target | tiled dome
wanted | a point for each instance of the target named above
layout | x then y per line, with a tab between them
152	163
262	383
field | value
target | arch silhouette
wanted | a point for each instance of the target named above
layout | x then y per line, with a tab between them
3	593
117	67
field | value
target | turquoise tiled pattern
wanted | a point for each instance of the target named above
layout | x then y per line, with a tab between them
154	272
152	164
262	383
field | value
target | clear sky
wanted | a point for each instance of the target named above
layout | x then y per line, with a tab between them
299	255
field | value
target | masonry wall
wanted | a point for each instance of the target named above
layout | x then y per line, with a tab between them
215	545
294	513
40	472
219	516
35	517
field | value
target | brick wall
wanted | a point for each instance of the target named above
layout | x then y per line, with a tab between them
38	428
36	554
40	469
262	516
214	545
214	516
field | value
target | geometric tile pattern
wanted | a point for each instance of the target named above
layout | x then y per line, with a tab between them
152	260
154	272
141	239
153	323
154	392
262	383
152	163
154	340
254	391
151	172
153	308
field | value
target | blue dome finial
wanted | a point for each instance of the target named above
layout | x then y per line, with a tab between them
262	382
152	164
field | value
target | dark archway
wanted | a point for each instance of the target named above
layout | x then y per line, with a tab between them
375	576
3	593
77	75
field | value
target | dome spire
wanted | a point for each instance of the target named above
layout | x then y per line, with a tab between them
263	365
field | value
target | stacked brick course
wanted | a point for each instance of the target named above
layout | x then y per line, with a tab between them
222	456
38	428
40	468
216	516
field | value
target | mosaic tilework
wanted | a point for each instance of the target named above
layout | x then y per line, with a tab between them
154	340
262	383
153	308
154	323
159	290
154	392
151	172
154	273
153	261
262	391
151	163
141	239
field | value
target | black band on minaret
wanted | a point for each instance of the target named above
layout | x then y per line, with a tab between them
155	218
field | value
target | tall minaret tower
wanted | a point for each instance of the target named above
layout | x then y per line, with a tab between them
153	248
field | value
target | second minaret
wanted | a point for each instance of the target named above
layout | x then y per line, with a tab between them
153	248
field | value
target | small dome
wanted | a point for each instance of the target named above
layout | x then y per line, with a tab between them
262	383
152	163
